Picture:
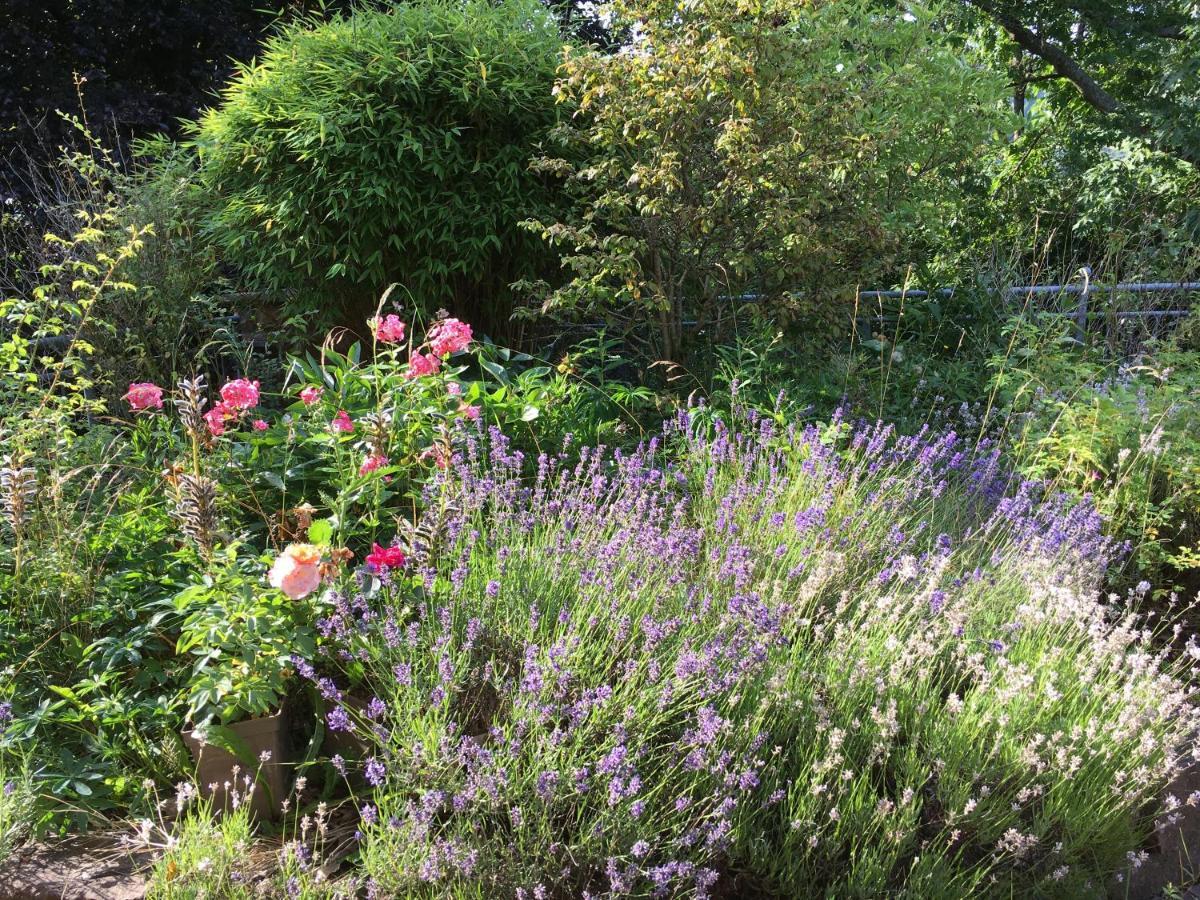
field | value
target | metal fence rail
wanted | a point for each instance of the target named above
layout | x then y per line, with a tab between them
1087	292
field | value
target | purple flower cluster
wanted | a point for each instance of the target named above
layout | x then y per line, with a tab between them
742	647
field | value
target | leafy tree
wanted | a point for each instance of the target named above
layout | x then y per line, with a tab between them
390	145
773	146
1138	64
1100	170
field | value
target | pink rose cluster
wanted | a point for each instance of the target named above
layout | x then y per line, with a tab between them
373	463
421	364
311	394
449	336
237	396
388	330
144	395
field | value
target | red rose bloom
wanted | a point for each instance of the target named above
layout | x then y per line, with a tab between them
385	558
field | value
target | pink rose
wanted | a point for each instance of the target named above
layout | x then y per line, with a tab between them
342	422
422	364
297	570
389	330
471	412
449	336
260	425
240	394
144	395
311	394
385	558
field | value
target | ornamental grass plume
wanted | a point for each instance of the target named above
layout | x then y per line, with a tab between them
803	661
18	491
190	401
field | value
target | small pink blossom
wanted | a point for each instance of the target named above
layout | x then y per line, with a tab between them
389	330
342	422
297	570
372	462
449	336
144	395
260	425
240	394
422	364
311	394
436	454
471	412
216	417
453	388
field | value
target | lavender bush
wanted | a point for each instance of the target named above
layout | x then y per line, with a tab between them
820	661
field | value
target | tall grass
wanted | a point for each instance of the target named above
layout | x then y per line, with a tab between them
778	662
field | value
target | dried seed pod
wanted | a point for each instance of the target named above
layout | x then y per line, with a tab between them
190	401
196	509
18	490
376	427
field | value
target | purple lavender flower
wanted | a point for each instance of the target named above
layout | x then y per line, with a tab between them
338	719
374	771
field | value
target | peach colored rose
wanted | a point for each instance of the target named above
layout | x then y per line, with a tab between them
297	570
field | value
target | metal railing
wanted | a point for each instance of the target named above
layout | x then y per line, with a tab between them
1087	292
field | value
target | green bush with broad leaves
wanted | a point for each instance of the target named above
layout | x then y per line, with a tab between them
387	146
752	148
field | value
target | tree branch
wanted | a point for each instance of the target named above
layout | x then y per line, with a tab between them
1091	90
1066	67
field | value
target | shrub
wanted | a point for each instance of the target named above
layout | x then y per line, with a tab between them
739	148
772	661
387	146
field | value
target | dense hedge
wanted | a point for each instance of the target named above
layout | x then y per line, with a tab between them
387	146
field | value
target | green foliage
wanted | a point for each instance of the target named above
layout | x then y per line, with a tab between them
47	381
1111	181
386	146
200	854
747	146
18	803
1122	432
1133	68
242	636
575	700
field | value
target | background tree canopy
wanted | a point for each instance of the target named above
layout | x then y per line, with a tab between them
144	64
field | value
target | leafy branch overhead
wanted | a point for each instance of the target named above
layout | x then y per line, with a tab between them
1138	64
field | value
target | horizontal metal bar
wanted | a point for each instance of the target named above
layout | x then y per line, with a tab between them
1124	286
